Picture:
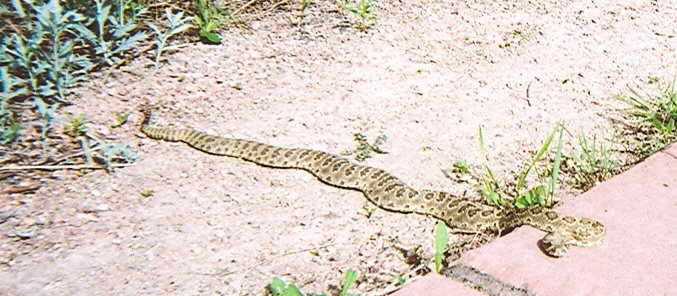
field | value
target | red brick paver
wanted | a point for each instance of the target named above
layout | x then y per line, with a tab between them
637	257
434	284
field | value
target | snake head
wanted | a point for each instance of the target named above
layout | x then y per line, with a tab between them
579	232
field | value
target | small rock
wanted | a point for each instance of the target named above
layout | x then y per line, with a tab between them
101	208
6	215
96	193
24	234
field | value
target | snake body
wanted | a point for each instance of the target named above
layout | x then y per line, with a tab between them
389	193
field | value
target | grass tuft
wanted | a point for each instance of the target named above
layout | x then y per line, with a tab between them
592	161
651	118
363	12
541	192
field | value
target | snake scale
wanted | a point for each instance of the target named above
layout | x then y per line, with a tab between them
390	193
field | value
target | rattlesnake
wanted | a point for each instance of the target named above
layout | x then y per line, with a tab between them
389	193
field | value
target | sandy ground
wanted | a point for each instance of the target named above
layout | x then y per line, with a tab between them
427	75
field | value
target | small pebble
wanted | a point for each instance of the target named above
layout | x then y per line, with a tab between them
101	208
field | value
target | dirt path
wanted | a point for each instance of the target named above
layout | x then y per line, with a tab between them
427	75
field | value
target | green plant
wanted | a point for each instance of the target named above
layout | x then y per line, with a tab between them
368	209
348	281
47	119
364	148
115	33
176	23
48	49
120	119
361	9
12	86
147	192
9	129
279	288
459	171
303	5
207	19
544	191
592	162
112	153
441	240
489	186
461	167
653	118
539	194
41	55
76	126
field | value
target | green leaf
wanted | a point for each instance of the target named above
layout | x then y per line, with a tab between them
293	290
441	240
481	140
278	286
210	36
557	162
348	281
543	149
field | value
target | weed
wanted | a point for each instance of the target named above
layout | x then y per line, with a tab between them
114	34
592	162
49	47
47	119
362	10
12	86
303	5
441	240
544	191
348	281
368	209
279	287
539	194
9	129
461	167
44	53
519	35
459	171
147	192
653	118
176	23
364	148
76	126
120	120
489	186
113	153
207	19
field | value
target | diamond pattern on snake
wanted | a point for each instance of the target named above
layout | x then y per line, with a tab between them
389	193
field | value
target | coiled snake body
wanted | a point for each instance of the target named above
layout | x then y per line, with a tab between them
388	192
